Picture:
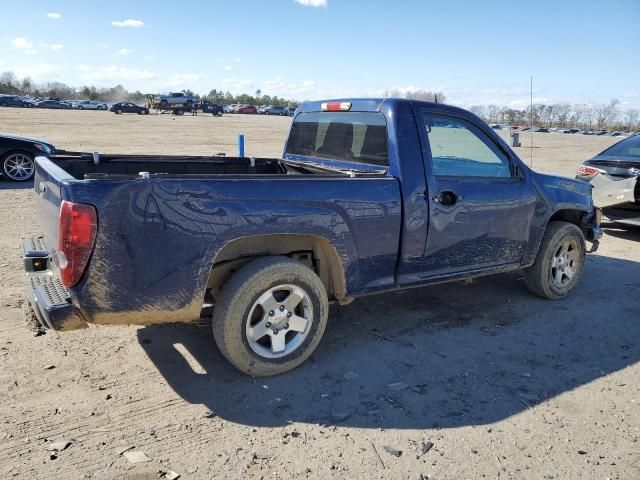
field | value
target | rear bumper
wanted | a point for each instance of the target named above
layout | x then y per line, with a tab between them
49	299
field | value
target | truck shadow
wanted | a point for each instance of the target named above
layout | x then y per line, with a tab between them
441	356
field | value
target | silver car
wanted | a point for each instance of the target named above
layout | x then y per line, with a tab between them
615	176
90	105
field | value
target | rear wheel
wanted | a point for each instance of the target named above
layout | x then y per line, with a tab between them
18	166
559	263
270	316
119	111
80	107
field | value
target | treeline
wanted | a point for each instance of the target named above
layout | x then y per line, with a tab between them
227	98
604	116
10	84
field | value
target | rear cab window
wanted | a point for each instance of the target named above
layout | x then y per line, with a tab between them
351	136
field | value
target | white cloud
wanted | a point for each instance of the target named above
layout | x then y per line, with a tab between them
54	15
38	72
114	73
124	51
102	45
312	3
228	67
22	42
53	46
128	23
235	60
237	84
31	51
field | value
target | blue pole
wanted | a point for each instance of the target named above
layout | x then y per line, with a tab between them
241	145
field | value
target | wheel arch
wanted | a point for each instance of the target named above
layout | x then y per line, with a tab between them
313	250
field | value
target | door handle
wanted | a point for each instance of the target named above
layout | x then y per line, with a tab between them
446	198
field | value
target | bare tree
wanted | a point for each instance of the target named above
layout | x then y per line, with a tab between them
563	112
393	93
631	117
480	110
425	96
605	112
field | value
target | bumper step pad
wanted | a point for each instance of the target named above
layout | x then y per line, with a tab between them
51	302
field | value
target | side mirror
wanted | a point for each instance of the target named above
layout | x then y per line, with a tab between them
519	173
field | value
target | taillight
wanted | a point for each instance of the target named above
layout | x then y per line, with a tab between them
587	171
77	227
335	107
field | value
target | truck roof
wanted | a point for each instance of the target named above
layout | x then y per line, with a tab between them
375	104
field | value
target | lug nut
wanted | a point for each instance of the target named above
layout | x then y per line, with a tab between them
288	314
275	331
268	324
271	313
286	326
281	308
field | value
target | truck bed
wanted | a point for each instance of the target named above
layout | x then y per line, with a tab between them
89	166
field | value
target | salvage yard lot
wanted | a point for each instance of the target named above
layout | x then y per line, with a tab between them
503	384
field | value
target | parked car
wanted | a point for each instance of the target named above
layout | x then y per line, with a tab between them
213	108
14	101
128	107
291	111
52	104
541	130
90	105
246	109
353	208
17	156
274	110
177	98
615	176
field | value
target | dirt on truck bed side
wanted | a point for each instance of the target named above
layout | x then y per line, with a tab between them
455	381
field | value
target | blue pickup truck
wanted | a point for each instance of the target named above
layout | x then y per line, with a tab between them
370	195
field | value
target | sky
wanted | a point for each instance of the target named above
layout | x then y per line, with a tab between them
476	52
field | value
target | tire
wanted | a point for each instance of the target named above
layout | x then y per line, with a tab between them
18	166
80	107
141	112
163	104
219	113
3	104
239	304
555	274
118	111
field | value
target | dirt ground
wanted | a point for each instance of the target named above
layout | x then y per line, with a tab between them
456	381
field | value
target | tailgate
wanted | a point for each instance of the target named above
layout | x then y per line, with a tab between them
48	196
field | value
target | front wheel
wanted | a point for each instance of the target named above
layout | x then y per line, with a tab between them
559	263
270	316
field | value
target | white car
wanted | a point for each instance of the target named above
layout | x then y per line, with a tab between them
90	105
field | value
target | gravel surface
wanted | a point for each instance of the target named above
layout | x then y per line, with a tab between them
465	380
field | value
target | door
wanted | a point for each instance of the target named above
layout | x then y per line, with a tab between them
481	203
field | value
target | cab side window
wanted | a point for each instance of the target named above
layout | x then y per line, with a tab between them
459	149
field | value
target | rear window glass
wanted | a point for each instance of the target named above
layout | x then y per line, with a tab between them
353	136
626	148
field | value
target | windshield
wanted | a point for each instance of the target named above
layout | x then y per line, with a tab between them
353	136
